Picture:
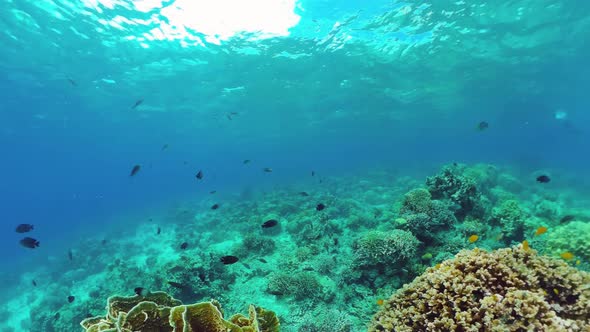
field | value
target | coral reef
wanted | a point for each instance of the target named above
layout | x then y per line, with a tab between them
160	312
511	217
385	248
573	237
510	289
451	184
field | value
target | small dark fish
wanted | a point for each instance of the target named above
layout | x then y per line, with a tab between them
137	103
134	170
138	290
34	283
312	173
567	218
215	206
543	179
56	316
308	268
199	175
164	147
228	116
158	231
320	207
104	241
175	284
483	126
29	242
213	192
70	255
247	161
335	241
229	260
246	265
267	170
185	162
71	298
72	82
270	223
303	193
262	260
88	315
184	245
24	228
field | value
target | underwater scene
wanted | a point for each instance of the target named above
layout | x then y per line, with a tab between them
294	165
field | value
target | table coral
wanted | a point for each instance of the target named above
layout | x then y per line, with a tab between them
160	312
508	289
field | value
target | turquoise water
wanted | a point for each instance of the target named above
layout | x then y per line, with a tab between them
372	98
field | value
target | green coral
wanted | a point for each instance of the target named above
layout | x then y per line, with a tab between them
378	248
160	312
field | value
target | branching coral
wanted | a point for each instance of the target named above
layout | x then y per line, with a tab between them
506	290
377	247
301	285
511	217
460	189
160	312
424	216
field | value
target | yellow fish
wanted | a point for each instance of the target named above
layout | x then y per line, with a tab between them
556	291
473	238
567	256
541	230
525	245
380	302
578	262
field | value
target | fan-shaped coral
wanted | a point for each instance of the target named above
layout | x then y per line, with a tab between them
506	290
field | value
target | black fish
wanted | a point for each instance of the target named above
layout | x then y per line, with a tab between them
320	207
164	147
567	218
138	290
72	82
543	179
335	241
24	228
483	126
134	170
137	103
213	192
56	316
175	284
34	283
199	175
29	242
247	161
215	206
303	193
270	223
104	241
229	260
184	245
246	265
71	298
312	173
262	260
70	255
158	231
267	170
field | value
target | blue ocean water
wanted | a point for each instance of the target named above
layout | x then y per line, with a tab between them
335	87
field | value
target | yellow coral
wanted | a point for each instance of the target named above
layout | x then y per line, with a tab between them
505	290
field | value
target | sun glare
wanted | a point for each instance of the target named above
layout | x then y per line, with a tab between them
217	20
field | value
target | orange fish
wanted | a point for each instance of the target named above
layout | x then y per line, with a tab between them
473	238
380	302
541	230
567	256
525	245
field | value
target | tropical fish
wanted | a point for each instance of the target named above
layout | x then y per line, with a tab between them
568	256
262	260
184	245
24	228
56	316
525	245
380	302
199	175
303	193
229	259
473	238
137	103
164	147
556	291
213	192
215	206
540	231
138	290
34	283
567	218
70	255
483	126
312	173
72	82
543	179
247	161
267	170
134	170
29	242
175	284
71	298
158	231
270	223
320	207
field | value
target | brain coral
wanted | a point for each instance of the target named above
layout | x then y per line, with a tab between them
508	289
